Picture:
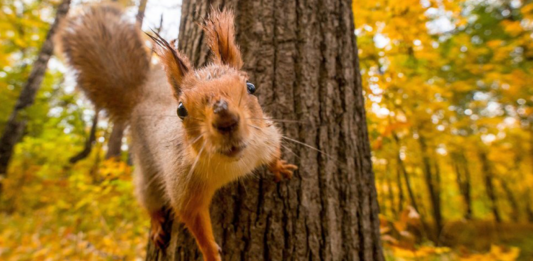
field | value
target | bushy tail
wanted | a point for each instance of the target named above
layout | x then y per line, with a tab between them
109	55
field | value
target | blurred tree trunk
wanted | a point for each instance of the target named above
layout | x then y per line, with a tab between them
488	178
399	168
529	204
400	188
17	120
114	145
405	175
390	191
432	183
463	181
529	210
515	210
88	143
140	12
302	56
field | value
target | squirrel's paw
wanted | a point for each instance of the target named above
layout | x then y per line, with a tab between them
281	168
157	231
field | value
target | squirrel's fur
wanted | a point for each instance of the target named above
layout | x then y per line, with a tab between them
180	163
109	56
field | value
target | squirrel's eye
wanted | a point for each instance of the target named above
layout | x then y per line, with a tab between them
250	87
182	112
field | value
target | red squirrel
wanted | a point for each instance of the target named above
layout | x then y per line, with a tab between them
219	134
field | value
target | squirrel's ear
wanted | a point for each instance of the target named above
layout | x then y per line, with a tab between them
220	33
176	64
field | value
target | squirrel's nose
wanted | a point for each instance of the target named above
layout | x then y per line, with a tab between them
225	121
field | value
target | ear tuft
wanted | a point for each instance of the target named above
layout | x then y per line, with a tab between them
176	64
220	32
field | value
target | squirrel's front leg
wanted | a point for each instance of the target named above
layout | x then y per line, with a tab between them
199	224
281	167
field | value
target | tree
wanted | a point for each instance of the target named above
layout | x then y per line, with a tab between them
16	123
303	58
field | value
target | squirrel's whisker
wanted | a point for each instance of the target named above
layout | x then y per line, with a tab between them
297	142
306	145
195	140
278	120
289	150
196	160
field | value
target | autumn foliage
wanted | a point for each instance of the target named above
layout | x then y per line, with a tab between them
449	99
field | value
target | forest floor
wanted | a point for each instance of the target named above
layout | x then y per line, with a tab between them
464	240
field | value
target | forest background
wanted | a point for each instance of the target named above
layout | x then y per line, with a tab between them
450	114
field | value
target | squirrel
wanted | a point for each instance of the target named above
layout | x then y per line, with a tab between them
220	132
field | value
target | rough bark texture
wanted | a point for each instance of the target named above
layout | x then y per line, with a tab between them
16	123
302	56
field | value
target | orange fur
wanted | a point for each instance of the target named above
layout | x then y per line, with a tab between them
220	33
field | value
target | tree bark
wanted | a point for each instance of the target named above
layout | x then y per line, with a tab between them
302	56
16	123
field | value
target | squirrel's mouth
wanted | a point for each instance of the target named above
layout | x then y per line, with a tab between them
233	151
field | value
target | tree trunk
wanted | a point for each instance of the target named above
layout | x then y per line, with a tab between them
302	56
140	12
489	186
402	168
463	181
17	120
529	209
433	187
400	186
390	191
114	144
88	143
513	203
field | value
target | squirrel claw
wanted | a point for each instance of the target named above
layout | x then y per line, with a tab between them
219	250
281	168
157	231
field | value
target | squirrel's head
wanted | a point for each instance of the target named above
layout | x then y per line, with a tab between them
216	103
